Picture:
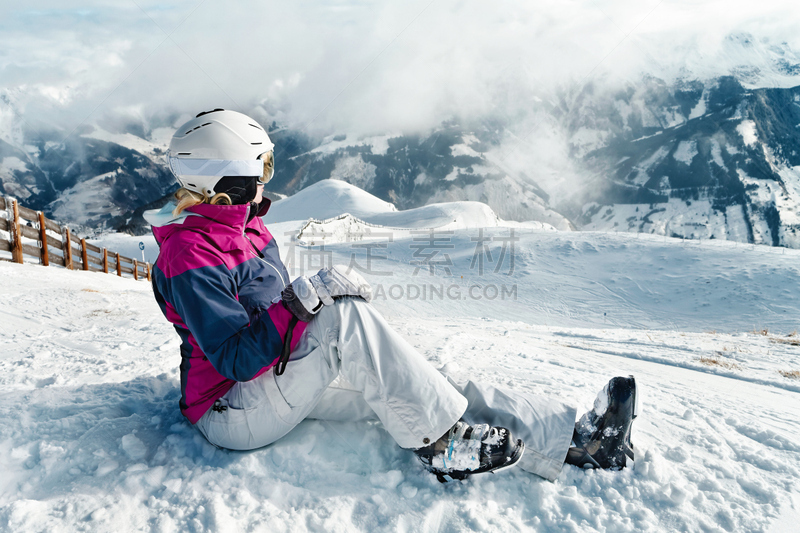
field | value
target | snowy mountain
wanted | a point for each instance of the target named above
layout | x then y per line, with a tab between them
696	160
90	177
701	158
92	439
449	164
104	180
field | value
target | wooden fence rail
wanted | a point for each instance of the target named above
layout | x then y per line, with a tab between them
56	245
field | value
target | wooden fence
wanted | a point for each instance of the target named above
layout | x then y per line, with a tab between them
56	245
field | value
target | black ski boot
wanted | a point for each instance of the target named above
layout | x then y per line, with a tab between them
602	437
467	450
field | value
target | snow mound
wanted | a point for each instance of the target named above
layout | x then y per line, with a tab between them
444	216
337	212
327	199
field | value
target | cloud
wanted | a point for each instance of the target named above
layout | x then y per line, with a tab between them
361	66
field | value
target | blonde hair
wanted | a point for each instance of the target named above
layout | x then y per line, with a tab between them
187	198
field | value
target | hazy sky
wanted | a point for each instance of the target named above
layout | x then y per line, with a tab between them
358	66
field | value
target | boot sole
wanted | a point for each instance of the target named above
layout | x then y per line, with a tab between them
629	445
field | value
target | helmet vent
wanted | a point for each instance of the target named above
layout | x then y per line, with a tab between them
197	128
255	143
207	112
184	153
256	126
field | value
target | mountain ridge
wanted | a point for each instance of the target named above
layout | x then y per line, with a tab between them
693	159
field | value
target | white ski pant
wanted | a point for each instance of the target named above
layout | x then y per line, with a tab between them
380	376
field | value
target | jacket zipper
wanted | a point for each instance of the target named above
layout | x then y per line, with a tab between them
258	253
260	256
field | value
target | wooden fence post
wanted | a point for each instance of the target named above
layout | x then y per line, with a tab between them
17	215
16	233
43	238
84	255
65	239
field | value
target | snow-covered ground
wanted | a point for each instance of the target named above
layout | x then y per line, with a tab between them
129	246
91	438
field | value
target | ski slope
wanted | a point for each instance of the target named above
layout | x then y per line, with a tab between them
91	438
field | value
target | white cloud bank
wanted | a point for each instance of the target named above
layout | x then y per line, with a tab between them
365	66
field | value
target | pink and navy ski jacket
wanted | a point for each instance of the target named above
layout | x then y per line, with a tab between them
216	279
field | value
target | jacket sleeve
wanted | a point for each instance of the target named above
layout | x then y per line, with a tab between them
206	301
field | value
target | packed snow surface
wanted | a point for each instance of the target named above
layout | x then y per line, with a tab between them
91	438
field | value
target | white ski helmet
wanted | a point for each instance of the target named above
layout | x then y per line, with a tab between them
215	144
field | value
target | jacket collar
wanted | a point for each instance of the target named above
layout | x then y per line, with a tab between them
231	219
263	207
234	216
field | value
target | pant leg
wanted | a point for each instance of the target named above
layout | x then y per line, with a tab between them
544	425
341	402
415	403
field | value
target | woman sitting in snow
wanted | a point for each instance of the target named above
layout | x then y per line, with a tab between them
260	353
